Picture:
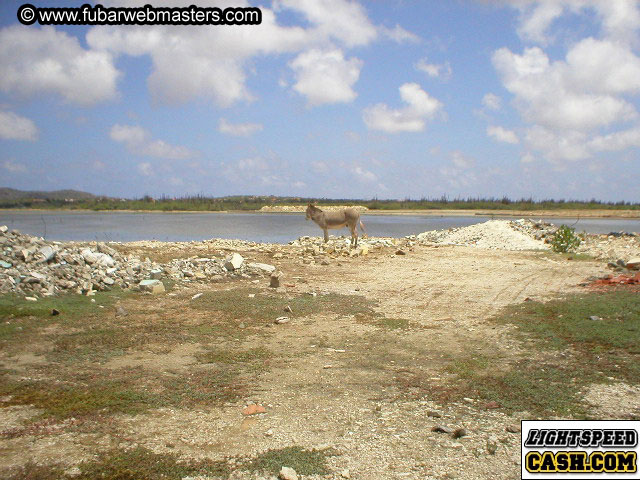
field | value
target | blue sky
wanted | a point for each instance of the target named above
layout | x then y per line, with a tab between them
333	98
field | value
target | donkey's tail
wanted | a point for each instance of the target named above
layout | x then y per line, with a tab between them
362	228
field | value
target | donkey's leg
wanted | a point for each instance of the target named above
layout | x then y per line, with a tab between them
354	234
326	235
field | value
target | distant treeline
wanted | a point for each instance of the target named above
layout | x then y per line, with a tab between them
252	203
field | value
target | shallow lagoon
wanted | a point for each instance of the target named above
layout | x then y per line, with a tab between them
257	227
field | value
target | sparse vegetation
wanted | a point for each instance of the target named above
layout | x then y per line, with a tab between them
565	240
252	203
304	462
608	345
64	400
592	352
266	307
140	463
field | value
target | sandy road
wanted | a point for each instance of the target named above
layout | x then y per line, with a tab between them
340	387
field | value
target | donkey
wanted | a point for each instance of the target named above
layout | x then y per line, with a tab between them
336	219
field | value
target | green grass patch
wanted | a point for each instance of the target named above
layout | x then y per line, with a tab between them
540	388
33	471
204	387
21	318
544	382
610	345
247	360
128	391
134	464
564	322
236	304
142	464
304	462
73	400
69	305
467	367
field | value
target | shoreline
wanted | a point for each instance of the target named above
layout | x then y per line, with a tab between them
600	213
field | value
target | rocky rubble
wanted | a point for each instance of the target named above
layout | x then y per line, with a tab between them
492	234
314	250
32	266
526	234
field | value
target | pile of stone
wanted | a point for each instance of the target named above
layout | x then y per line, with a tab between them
313	249
492	234
34	267
538	229
612	247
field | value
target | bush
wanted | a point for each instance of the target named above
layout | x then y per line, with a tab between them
565	240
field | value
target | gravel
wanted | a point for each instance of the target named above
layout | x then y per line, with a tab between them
493	234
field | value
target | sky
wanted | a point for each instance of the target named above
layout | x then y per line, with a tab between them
331	99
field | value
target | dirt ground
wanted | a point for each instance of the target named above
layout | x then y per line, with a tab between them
343	383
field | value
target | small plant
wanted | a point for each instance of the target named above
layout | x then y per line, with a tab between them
565	240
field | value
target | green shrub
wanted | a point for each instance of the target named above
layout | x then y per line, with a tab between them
565	240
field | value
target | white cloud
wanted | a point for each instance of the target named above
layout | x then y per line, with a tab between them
145	169
252	164
326	76
319	167
502	134
43	59
527	157
238	129
442	71
363	174
462	161
211	63
619	19
580	106
566	102
14	167
603	66
259	171
187	66
342	20
16	127
535	21
557	146
412	118
399	34
616	141
492	101
139	142
546	95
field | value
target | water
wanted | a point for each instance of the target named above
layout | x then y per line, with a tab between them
257	227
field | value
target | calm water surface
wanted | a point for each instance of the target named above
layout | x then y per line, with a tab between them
257	227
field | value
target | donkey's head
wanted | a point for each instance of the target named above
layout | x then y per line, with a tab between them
311	209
